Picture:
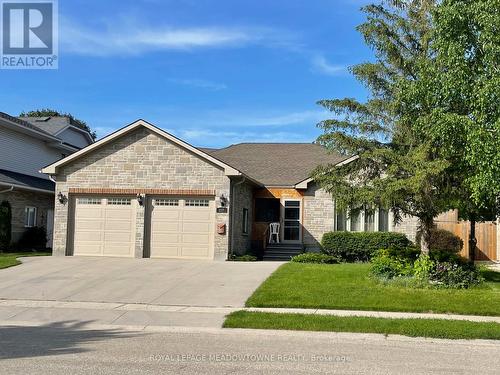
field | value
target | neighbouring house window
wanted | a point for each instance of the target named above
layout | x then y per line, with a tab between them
369	220
245	221
355	221
340	221
267	210
383	220
29	217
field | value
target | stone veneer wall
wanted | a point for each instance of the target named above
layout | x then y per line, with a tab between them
318	216
408	226
18	200
242	198
139	160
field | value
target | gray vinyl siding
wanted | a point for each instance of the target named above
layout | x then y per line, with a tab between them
73	137
24	154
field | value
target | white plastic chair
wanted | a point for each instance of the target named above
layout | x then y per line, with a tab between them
274	230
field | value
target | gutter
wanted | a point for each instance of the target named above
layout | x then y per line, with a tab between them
25	188
8	190
231	217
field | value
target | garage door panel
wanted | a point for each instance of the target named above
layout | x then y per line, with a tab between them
182	230
166	226
196	227
197	214
104	229
202	239
194	252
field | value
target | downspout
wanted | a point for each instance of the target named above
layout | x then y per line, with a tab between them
8	190
231	217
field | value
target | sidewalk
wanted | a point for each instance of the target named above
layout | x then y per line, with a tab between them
146	315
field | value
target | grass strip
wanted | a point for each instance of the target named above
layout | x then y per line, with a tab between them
435	328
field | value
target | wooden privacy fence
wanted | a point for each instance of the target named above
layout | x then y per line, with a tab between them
486	235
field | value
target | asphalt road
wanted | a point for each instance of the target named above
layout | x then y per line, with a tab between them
75	349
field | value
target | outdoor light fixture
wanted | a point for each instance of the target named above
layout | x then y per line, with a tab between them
61	197
140	199
223	200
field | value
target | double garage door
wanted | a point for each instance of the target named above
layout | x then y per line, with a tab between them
174	227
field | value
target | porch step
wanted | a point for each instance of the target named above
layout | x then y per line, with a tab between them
282	252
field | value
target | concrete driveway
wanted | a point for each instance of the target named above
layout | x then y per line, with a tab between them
141	281
126	292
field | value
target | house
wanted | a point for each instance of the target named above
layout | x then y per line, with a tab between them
141	192
26	145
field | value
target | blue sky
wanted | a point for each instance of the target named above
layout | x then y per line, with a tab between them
213	72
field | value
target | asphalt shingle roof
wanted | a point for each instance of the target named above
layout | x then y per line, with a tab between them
14	178
276	164
51	125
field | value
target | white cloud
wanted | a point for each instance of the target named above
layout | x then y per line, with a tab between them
132	36
200	83
321	65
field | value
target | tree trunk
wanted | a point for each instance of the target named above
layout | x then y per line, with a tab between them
472	239
425	238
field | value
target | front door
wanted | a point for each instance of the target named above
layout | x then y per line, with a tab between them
292	231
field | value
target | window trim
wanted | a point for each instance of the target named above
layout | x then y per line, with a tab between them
28	209
245	223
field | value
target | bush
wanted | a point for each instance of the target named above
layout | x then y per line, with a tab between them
446	256
315	258
458	276
360	246
386	266
244	258
423	267
442	240
33	238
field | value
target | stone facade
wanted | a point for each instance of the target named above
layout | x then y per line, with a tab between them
138	160
19	200
318	216
408	226
242	198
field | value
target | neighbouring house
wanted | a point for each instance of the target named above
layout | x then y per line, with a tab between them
141	192
26	145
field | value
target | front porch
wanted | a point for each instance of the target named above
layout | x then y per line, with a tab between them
283	208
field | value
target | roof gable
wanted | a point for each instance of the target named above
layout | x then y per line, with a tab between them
52	169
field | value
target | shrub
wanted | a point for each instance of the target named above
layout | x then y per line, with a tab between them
386	266
33	238
442	240
5	225
423	267
360	246
446	256
315	258
244	258
458	276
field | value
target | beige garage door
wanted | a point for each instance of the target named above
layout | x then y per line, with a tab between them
182	228
104	226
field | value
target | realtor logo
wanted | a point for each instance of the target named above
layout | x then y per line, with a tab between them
29	34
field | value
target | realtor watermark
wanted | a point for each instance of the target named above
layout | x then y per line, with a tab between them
244	357
29	34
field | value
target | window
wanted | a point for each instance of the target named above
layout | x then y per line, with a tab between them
355	221
383	220
369	220
89	201
197	202
120	201
340	221
245	221
29	217
267	210
166	202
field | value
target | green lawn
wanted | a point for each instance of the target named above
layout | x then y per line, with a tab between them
348	286
445	329
10	259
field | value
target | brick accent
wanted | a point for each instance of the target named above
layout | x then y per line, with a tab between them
176	192
140	161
